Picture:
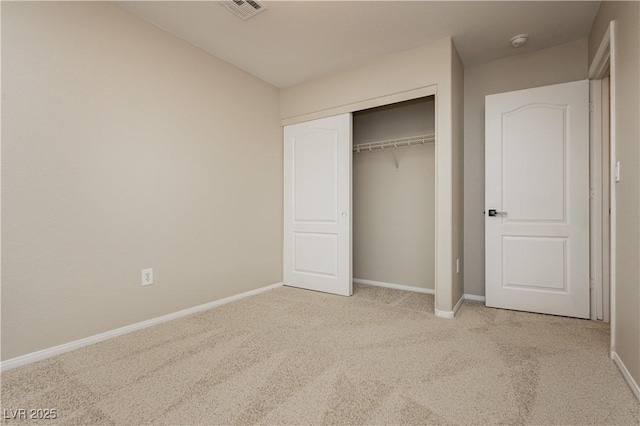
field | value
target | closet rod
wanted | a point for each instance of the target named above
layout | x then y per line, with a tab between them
395	143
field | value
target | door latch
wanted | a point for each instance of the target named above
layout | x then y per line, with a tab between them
492	212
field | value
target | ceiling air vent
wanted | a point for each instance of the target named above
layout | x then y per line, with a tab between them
244	9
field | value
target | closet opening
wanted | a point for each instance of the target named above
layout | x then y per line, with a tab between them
393	196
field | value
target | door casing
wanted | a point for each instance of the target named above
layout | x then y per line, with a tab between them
604	62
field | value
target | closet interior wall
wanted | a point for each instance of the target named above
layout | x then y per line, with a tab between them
394	208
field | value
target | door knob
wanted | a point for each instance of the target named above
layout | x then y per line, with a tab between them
344	214
492	212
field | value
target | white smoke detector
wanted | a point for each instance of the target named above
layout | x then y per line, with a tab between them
519	40
244	9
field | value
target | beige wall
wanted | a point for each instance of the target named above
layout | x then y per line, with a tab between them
627	104
394	209
457	114
395	75
125	148
544	67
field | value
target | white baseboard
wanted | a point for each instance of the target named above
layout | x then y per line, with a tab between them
474	297
627	376
394	286
67	347
450	314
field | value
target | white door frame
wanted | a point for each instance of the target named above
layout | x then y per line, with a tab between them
599	205
604	61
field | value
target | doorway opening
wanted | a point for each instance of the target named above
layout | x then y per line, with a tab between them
600	196
394	196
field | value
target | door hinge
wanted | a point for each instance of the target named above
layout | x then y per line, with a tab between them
592	194
591	106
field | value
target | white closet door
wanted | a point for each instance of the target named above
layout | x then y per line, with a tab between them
317	205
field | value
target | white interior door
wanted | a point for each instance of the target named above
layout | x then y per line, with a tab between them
317	205
537	200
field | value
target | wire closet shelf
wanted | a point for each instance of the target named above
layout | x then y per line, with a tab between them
395	143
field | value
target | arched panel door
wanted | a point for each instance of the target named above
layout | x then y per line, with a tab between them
537	200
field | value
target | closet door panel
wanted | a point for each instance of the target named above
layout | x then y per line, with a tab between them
315	177
317	210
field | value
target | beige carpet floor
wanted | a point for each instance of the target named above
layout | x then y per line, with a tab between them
292	356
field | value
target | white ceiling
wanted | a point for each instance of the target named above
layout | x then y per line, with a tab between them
296	41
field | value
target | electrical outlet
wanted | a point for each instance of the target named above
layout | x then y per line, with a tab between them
147	276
